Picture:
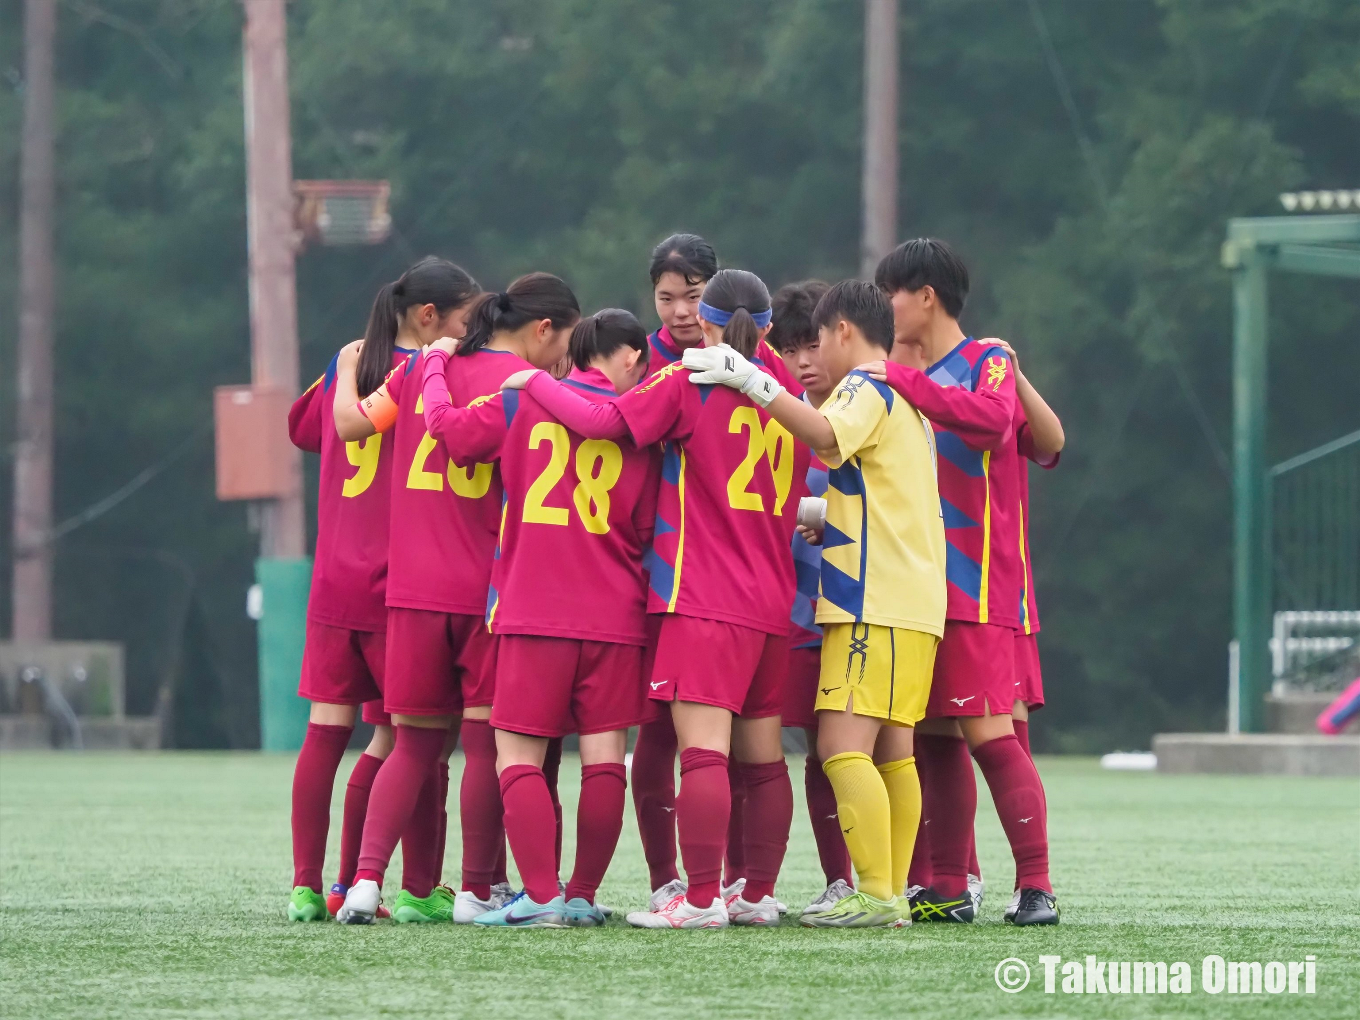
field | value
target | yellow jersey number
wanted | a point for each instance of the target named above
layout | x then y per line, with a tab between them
470	483
599	463
775	444
364	456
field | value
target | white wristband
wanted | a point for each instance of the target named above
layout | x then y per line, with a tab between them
762	388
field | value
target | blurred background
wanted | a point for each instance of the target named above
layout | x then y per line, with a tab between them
1082	155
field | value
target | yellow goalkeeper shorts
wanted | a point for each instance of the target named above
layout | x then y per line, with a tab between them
882	672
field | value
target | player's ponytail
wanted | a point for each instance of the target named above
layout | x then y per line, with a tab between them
531	298
739	302
601	334
431	281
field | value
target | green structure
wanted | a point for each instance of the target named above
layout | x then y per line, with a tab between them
1321	245
284	586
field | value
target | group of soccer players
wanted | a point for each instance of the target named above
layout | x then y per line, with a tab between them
802	510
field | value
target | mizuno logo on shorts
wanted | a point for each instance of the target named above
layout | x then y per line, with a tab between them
960	701
658	683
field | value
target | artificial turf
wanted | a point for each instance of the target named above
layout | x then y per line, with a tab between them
154	885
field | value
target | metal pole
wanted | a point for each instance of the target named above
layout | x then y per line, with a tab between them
1251	536
880	133
32	591
272	247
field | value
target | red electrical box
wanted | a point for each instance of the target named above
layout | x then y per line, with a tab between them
253	448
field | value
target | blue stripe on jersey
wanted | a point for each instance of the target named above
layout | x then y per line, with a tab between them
658	349
838	587
817	481
577	384
952	449
962	571
884	390
331	371
954	517
510	401
953	369
670	463
660	574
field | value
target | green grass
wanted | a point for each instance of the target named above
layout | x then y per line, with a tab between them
155	885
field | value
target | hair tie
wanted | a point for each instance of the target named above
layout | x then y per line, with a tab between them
719	317
503	301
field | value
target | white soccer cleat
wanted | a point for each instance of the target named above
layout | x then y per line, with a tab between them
731	893
467	907
975	890
361	903
681	913
764	914
835	892
675	887
1012	908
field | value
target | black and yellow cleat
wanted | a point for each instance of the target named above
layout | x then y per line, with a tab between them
1035	907
928	905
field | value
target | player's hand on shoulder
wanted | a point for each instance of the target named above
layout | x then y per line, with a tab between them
349	355
447	344
520	379
1010	351
719	364
877	370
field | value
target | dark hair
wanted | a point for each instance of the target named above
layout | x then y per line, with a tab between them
687	254
925	262
530	298
601	334
861	304
792	306
431	281
743	294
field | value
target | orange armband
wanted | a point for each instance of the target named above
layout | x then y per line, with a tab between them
379	408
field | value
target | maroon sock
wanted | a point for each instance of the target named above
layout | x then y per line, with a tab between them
1019	798
599	820
734	865
701	814
529	826
826	826
769	814
500	876
479	802
974	868
920	873
949	800
552	765
1022	735
356	807
313	783
420	838
442	840
654	797
395	791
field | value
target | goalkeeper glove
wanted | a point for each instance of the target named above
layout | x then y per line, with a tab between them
724	366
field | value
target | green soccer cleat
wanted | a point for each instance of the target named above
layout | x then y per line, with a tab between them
435	908
307	905
858	910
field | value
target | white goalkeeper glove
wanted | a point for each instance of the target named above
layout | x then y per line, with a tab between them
725	367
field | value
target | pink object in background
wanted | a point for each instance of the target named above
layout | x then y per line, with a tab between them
1339	713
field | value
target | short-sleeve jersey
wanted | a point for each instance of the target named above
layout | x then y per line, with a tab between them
578	519
349	571
1024	444
883	549
980	498
445	518
725	513
804	630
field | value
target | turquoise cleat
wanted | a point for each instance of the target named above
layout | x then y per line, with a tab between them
580	914
522	912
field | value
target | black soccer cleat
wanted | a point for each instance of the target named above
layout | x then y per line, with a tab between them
928	905
1035	907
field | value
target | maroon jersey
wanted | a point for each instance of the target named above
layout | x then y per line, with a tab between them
1024	444
578	513
349	573
444	517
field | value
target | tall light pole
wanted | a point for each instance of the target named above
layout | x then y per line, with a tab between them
32	591
880	133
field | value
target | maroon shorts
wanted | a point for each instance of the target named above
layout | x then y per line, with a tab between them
722	664
549	687
437	663
974	667
800	687
345	667
652	710
1029	678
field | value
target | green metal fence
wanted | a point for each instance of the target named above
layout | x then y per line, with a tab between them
1315	525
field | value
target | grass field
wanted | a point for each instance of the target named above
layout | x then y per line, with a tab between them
154	886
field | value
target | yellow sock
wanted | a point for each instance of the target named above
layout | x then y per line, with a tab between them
904	802
865	816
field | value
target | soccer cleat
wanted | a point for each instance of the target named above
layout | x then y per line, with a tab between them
362	903
1008	914
562	891
501	894
975	890
307	905
858	910
928	905
730	894
835	892
903	912
1035	907
335	899
522	912
432	909
660	897
764	914
580	914
681	913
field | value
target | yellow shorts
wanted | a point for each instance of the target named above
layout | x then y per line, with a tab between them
882	672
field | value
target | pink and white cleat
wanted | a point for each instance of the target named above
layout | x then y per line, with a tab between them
764	914
681	913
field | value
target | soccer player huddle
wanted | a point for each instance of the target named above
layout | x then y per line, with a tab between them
804	510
